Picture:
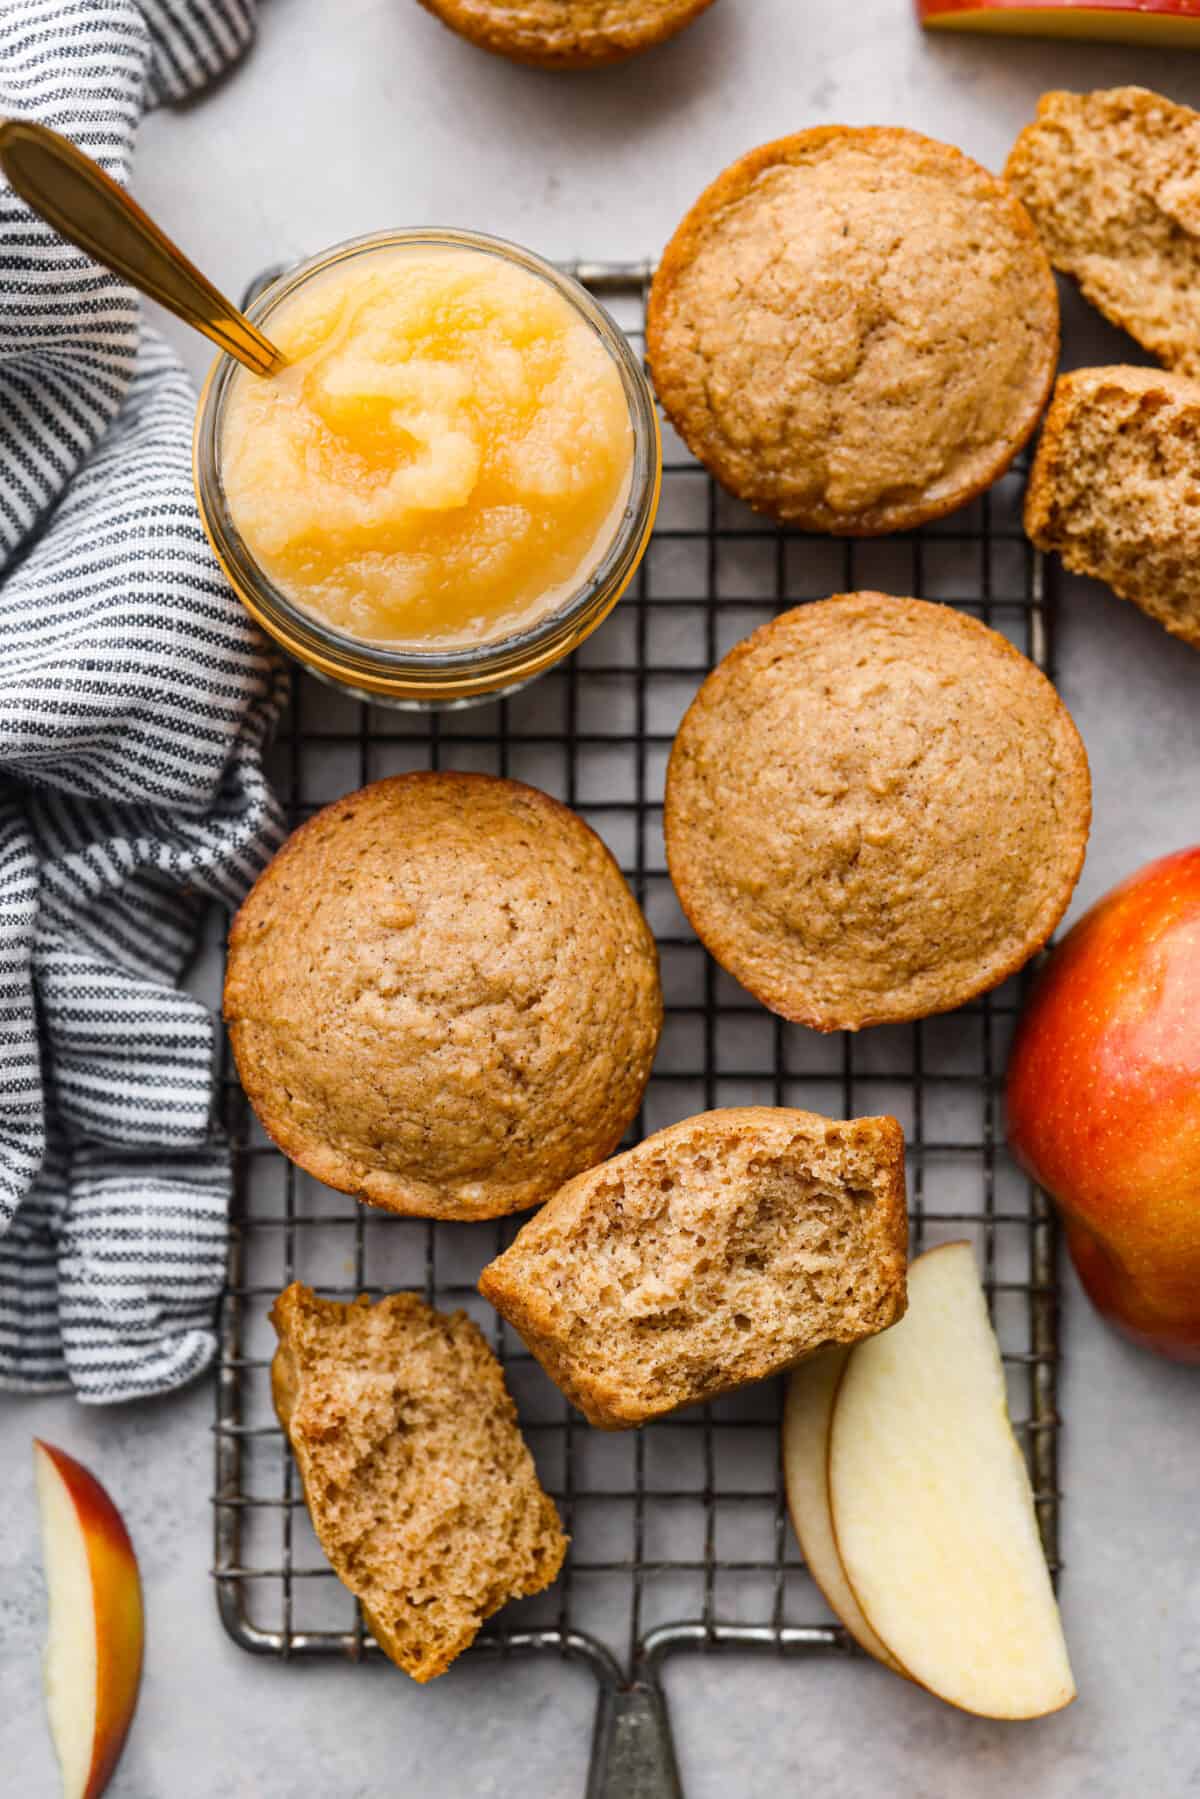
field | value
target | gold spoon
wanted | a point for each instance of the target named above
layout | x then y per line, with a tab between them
72	193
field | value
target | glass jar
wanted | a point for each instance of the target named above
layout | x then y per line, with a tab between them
402	676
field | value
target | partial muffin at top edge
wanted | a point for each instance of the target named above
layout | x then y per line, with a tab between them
566	34
443	997
876	809
854	330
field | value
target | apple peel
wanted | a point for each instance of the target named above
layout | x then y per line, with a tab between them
807	1416
932	1509
1162	22
93	1656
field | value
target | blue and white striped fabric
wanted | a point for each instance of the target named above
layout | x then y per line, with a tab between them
135	698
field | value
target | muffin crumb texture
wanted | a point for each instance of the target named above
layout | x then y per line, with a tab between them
419	1484
876	809
1112	179
854	330
566	34
442	996
717	1252
1115	488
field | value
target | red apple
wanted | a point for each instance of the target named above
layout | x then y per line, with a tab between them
1126	21
93	1657
1104	1101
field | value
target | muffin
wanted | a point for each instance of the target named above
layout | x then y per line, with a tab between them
1112	180
566	34
419	1484
443	997
876	809
717	1252
1115	488
854	330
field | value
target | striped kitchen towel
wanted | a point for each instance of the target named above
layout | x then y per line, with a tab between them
135	698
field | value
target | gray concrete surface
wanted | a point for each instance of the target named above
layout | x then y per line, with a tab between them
365	113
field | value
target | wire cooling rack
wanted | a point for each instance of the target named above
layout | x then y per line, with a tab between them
680	1535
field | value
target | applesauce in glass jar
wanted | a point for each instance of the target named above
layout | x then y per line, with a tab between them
451	482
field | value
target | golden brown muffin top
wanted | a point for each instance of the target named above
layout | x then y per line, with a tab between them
566	34
876	809
854	330
443	997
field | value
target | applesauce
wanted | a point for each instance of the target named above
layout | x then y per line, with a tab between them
452	481
445	457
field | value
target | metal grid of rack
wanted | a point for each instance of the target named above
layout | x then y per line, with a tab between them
680	1536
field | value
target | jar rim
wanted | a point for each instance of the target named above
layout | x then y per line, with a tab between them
479	668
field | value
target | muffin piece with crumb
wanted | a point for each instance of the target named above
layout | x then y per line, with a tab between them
419	1484
1115	488
1112	180
718	1252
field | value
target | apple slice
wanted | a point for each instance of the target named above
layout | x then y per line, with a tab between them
933	1514
93	1659
807	1415
1174	22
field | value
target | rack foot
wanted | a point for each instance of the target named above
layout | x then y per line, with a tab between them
633	1756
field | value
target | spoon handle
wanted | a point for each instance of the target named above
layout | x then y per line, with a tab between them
72	193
